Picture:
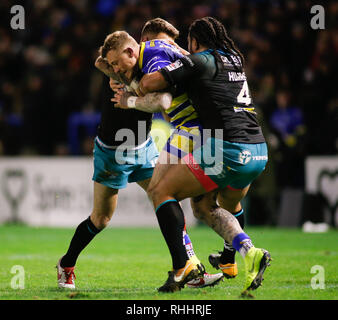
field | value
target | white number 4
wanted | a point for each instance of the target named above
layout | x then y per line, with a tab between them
244	94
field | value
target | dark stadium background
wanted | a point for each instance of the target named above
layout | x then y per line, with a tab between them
51	94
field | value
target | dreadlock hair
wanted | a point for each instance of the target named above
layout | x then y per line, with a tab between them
212	34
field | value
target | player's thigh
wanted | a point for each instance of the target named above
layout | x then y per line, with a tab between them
229	198
162	166
105	202
177	182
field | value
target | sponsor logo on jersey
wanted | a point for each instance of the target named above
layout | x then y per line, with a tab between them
241	109
226	60
244	156
175	65
260	158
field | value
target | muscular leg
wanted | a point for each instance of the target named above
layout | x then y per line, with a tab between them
179	183
169	214
162	166
105	200
165	161
220	220
176	183
169	188
230	198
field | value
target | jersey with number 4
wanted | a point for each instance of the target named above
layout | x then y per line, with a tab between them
219	93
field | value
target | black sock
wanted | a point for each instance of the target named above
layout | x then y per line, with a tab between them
171	221
84	233
228	254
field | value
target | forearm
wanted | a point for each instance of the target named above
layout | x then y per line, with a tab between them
151	102
151	82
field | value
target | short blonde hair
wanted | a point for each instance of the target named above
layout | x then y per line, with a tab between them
115	41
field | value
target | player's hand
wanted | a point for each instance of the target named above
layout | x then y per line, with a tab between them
115	85
120	99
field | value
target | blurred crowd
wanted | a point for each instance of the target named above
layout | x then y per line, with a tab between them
51	95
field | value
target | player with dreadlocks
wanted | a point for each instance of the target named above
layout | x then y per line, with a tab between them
215	81
116	164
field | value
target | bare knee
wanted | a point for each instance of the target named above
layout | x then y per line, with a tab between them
100	220
152	192
158	193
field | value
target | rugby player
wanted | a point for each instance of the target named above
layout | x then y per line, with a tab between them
114	168
215	81
125	55
160	29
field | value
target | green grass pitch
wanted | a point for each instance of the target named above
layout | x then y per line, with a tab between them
129	264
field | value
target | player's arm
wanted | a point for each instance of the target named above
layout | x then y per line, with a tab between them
179	72
103	65
151	103
116	81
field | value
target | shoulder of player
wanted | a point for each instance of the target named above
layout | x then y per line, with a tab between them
197	60
152	49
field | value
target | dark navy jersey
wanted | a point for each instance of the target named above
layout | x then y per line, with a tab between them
219	93
118	126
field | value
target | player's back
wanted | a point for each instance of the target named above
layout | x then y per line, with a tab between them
220	94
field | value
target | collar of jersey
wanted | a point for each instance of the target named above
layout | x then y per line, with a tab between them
140	59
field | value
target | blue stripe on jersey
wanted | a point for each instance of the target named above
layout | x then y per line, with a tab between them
178	109
179	153
193	123
185	133
180	120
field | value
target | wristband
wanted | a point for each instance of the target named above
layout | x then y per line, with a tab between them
131	102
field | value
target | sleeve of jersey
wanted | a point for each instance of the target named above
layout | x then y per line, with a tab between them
183	69
155	61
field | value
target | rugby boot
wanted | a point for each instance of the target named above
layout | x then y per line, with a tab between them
65	276
255	261
178	278
229	270
205	280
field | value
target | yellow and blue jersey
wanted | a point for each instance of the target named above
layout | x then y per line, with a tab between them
155	55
